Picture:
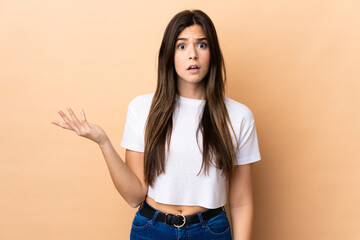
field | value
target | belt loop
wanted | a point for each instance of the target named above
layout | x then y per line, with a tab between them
202	222
154	217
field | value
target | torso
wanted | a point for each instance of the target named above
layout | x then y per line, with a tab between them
201	191
175	209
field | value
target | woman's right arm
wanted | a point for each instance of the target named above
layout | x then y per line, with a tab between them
128	177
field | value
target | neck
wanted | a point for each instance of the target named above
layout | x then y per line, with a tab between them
194	91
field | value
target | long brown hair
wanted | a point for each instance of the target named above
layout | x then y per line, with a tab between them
218	147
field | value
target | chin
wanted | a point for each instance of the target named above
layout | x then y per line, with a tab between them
191	80
195	81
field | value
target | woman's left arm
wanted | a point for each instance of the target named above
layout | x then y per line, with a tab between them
241	202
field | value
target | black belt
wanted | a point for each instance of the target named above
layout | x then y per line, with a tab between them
177	220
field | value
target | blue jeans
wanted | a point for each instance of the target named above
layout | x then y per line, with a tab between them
149	229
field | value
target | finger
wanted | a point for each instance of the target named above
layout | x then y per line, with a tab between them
72	115
69	122
60	124
75	119
83	118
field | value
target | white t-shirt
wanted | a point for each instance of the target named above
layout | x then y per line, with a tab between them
181	184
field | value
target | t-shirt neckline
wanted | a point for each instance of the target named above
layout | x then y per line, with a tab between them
190	100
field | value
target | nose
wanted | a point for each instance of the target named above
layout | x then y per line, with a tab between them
193	53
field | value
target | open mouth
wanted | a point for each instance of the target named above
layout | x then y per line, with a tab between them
193	67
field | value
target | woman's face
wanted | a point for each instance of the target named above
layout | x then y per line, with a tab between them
192	56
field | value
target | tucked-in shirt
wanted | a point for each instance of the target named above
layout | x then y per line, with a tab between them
183	183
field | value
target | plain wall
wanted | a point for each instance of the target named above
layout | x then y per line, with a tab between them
295	64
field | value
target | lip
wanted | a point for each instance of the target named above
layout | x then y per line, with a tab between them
195	70
191	69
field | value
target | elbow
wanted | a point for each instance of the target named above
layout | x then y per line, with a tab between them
240	201
241	204
134	203
133	198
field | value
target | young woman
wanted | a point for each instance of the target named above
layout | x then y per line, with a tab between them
184	143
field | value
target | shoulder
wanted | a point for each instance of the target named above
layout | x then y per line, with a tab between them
238	111
141	101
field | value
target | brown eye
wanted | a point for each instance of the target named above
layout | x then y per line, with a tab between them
181	46
202	45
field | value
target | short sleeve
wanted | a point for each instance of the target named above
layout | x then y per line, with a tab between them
248	151
133	137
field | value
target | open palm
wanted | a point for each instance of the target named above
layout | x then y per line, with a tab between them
82	128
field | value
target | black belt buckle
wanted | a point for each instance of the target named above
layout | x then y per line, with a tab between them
170	218
184	221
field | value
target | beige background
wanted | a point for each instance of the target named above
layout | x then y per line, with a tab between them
295	64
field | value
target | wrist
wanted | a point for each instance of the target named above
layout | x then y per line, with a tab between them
104	142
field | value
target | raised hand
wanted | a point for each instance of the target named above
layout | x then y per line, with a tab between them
82	128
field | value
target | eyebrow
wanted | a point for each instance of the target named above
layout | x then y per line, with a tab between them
198	39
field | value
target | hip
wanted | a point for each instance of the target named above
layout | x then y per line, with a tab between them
209	225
